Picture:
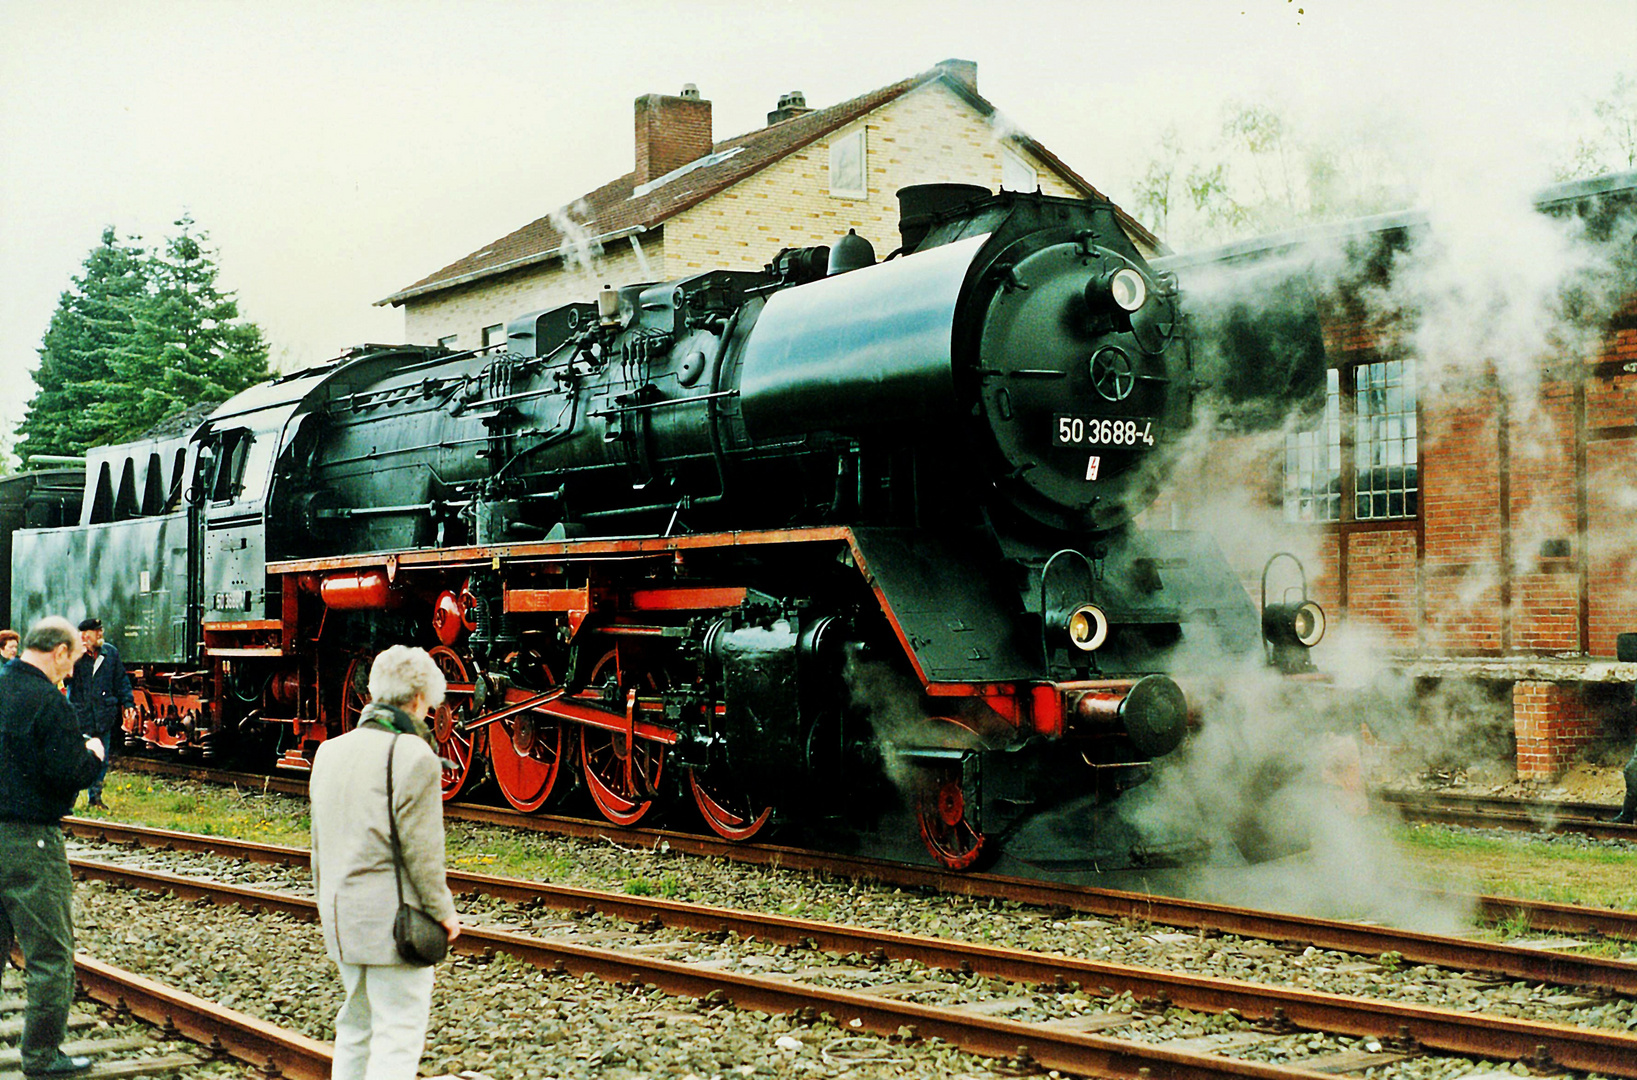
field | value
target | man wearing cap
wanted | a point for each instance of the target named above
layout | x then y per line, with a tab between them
101	692
44	761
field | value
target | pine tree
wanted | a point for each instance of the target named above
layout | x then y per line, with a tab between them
93	320
187	345
139	337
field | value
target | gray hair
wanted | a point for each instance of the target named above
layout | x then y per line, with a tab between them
401	672
50	634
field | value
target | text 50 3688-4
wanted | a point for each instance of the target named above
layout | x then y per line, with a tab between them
1102	431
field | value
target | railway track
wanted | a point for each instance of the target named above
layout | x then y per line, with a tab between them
1110	903
1393	1028
1512	962
121	1048
1521	815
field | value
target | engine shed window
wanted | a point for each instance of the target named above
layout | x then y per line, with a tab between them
1385	444
1017	174
1371	474
1313	463
847	166
494	335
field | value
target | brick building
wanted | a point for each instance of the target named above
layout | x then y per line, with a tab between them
692	203
1462	480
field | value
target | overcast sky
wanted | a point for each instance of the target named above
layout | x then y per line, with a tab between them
337	151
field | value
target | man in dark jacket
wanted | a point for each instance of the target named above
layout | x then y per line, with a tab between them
101	692
44	762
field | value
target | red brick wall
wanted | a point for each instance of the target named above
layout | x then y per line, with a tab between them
1381	583
1611	502
1460	507
1323	582
1611	401
1552	723
1541	456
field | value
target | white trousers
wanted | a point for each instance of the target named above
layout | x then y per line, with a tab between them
381	1028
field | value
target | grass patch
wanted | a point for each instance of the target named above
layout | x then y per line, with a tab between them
200	808
1524	866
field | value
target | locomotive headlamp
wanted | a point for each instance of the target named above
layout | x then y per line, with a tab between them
1124	286
1087	627
1293	624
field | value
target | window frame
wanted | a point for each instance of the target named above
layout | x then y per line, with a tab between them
1342	399
1018	162
1393	427
858	138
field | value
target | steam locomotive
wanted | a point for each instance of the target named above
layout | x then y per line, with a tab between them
819	541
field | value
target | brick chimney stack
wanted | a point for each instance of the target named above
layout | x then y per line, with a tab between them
964	72
671	131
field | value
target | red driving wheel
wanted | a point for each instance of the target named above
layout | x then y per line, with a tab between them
354	693
526	751
622	774
455	746
731	816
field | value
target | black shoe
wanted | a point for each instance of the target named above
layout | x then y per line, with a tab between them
63	1066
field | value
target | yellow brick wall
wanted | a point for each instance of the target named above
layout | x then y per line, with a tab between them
466	310
929	135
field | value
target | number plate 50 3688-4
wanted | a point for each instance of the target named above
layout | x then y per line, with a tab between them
1102	431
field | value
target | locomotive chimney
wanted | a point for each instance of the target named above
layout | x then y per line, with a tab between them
791	104
671	131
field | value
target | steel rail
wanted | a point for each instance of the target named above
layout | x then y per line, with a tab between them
1564	808
1560	918
1542	915
275	1051
1114	903
1480	1035
1518	817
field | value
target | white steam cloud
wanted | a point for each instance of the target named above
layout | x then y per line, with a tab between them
582	252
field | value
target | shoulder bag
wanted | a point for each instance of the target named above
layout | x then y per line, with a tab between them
421	939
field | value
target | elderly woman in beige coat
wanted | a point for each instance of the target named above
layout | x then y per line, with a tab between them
381	1029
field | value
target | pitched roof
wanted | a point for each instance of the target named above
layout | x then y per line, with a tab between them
1617	184
622	207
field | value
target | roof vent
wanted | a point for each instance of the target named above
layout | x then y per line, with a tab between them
689	91
792	104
